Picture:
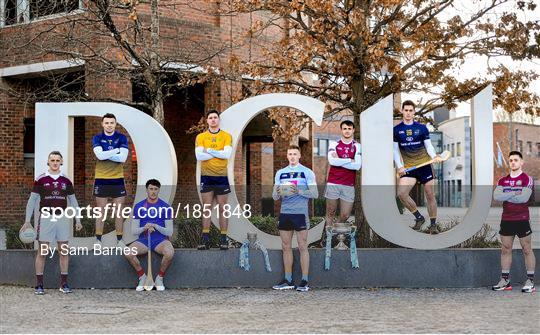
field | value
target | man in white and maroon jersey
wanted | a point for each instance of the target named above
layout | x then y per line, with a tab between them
515	191
344	158
52	190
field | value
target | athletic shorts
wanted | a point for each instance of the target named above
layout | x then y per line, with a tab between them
290	222
512	228
336	191
49	231
422	174
217	184
109	188
154	242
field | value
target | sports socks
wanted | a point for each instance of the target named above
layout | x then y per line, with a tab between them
140	273
505	274
433	221
530	275
206	235
223	237
99	233
39	279
417	214
119	236
288	276
161	273
305	277
63	279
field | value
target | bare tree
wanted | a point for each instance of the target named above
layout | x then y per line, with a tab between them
352	53
148	43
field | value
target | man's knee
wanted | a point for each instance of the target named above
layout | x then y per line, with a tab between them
506	249
527	250
168	253
403	194
286	246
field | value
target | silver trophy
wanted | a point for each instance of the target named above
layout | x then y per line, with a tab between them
341	229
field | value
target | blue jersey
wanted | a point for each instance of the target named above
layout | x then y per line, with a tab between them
302	177
155	213
411	143
108	169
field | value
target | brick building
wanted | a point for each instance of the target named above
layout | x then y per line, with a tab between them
30	68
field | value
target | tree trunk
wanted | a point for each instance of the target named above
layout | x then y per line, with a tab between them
364	232
157	103
159	112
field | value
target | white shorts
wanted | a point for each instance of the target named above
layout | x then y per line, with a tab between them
49	231
343	192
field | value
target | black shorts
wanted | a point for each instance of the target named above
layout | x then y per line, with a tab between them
422	174
512	228
290	222
109	188
217	184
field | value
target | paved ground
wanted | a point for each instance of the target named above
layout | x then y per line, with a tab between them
266	311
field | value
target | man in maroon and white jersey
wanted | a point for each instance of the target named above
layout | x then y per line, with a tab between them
515	191
51	193
344	158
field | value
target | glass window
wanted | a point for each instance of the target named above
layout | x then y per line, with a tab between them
323	147
39	8
458	149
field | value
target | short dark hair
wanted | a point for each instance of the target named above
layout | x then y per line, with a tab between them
347	123
211	111
408	103
515	152
108	116
55	152
154	182
293	146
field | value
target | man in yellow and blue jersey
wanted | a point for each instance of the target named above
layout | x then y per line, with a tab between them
111	150
412	146
213	148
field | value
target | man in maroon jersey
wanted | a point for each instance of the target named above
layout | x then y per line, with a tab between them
51	193
515	191
344	159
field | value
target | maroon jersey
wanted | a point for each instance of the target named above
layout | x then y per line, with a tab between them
53	192
338	174
513	211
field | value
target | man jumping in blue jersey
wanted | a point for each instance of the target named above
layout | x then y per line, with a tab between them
412	146
295	185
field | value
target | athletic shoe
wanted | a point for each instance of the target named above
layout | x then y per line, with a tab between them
418	223
203	246
140	286
65	289
224	246
528	287
159	283
284	285
502	285
39	290
303	287
433	229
